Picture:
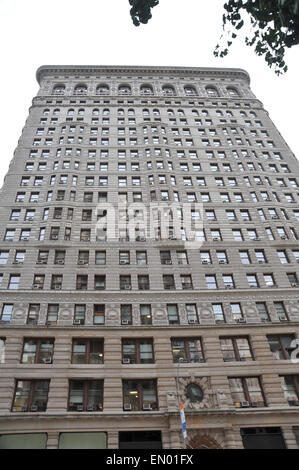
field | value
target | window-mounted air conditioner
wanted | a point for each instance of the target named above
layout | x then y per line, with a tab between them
34	408
122	261
127	407
126	360
244	404
78	322
147	406
48	360
125	322
281	318
222	261
241	320
167	261
192	321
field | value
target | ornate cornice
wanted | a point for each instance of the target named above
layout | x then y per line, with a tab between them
121	69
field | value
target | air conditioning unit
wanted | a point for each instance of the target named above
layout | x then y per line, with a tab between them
127	287
41	261
147	406
140	239
122	261
126	361
261	261
57	286
192	321
283	318
36	286
48	360
54	237
229	287
82	261
59	261
127	407
125	322
241	320
79	408
275	217
222	261
244	404
294	284
34	408
17	262
24	239
283	237
29	219
90	408
216	239
78	322
167	261
256	239
205	261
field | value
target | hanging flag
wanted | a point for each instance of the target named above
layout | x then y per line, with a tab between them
183	420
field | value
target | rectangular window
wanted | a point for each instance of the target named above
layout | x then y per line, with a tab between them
79	315
140	395
126	314
85	395
6	313
246	391
88	351
31	395
145	315
236	349
282	346
137	351
173	315
37	351
290	386
187	350
99	314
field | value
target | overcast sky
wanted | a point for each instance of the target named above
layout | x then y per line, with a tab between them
100	32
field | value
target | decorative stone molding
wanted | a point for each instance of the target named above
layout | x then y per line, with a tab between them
209	396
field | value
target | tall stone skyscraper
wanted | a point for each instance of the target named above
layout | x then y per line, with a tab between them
149	246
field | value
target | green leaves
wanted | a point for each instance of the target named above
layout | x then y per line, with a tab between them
141	10
274	27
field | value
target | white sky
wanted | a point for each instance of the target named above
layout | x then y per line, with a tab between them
100	32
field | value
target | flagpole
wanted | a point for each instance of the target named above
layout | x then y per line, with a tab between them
180	405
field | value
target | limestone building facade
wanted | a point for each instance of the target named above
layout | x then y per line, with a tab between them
106	313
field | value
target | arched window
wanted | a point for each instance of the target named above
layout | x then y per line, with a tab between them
168	90
124	90
145	112
81	90
106	112
95	112
102	89
190	90
211	91
232	91
156	112
120	112
81	111
59	89
146	90
70	112
131	112
170	112
56	112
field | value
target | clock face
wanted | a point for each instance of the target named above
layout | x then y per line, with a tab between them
194	392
